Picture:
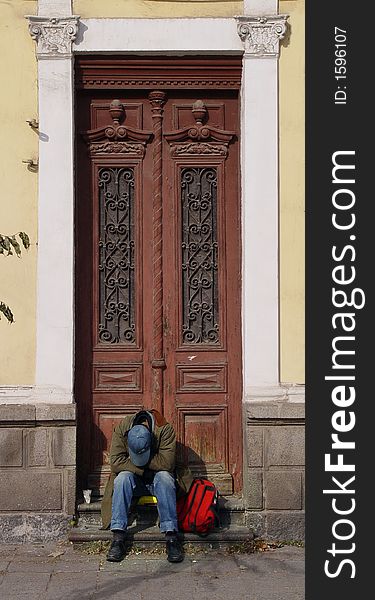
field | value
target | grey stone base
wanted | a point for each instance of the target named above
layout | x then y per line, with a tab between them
274	465
37	471
35	527
277	525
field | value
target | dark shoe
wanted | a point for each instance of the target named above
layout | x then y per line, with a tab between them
116	552
174	550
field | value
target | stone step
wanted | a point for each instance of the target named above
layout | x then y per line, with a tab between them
231	512
141	537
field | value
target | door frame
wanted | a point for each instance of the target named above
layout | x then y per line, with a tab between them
221	410
55	359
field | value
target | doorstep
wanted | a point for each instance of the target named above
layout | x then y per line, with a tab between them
144	536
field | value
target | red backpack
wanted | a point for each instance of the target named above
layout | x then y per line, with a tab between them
197	510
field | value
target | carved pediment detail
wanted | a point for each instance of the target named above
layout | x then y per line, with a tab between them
194	148
137	149
199	138
117	138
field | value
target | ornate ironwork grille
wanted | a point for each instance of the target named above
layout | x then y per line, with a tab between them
116	256
199	256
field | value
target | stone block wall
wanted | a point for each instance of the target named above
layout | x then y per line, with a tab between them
274	476
37	471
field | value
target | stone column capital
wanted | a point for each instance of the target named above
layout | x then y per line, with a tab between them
261	35
53	35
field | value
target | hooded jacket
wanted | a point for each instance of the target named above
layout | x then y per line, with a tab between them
163	458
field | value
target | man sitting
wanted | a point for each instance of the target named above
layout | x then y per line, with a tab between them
143	462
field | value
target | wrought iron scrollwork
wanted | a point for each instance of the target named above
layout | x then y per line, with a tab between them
199	256
116	256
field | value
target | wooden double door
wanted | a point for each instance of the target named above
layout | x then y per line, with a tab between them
158	280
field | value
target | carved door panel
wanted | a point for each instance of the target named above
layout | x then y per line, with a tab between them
158	262
201	285
113	311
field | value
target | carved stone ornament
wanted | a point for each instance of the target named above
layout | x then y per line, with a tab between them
54	36
262	35
200	138
117	138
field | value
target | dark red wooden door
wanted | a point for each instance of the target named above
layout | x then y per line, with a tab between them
158	259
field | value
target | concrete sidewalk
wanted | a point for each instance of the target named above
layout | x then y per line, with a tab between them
58	571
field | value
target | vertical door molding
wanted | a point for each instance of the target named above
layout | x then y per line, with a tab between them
54	29
261	37
260	7
51	8
157	100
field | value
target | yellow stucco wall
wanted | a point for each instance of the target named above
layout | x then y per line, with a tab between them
292	192
18	208
156	8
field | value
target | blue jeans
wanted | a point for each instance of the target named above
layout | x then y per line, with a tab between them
128	484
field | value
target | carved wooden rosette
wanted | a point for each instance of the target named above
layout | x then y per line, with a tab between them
157	100
200	139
